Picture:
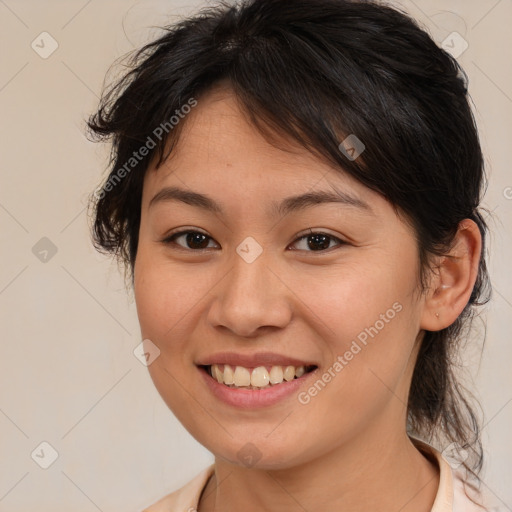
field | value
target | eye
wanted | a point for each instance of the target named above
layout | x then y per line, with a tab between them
194	240
318	241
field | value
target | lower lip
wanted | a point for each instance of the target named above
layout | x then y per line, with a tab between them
254	398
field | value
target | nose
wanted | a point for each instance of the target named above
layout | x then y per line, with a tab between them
250	299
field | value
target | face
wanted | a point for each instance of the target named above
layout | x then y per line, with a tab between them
266	281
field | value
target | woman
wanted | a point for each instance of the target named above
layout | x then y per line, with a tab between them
295	192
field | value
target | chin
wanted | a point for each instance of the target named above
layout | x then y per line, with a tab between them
264	455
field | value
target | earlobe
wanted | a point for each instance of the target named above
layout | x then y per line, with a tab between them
453	283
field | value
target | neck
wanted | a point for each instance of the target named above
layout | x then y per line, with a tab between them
388	475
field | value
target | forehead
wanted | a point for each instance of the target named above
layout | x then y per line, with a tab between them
220	152
219	128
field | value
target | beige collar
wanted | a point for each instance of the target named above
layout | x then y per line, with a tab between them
444	497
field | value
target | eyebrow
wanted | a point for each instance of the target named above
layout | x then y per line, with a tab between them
288	205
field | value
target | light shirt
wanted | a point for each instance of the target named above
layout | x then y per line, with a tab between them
450	495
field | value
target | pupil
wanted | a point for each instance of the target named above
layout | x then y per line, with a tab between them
194	237
317	238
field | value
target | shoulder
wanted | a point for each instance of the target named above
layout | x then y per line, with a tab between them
184	499
468	498
457	492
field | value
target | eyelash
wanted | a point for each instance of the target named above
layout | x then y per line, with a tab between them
170	240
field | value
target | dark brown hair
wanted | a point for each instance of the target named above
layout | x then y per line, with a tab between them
319	71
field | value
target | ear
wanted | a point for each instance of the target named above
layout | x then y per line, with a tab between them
453	283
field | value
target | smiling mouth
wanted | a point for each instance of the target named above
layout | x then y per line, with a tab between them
261	377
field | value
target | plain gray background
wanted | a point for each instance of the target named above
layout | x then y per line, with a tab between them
68	373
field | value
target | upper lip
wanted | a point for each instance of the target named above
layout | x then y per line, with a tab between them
252	360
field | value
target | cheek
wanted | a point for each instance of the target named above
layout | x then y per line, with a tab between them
162	305
369	319
165	297
358	297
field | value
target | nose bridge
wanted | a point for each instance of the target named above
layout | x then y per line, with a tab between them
250	296
249	260
249	271
248	276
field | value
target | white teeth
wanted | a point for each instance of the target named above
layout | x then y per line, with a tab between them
300	371
228	375
217	374
242	377
276	375
289	373
259	377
